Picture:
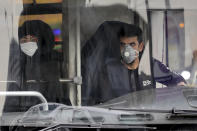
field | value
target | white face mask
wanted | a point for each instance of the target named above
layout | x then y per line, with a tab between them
29	48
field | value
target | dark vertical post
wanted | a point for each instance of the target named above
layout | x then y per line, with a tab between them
166	35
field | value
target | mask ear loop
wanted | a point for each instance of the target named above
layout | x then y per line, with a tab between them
137	53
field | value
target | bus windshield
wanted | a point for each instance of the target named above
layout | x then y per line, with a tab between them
90	56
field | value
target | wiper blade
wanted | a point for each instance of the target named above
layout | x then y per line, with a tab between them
136	117
172	111
142	110
173	114
97	126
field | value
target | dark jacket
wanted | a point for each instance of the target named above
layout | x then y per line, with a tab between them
104	76
39	73
165	75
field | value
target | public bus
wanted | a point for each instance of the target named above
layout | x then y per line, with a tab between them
64	65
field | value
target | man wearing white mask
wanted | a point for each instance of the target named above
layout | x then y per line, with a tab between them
110	61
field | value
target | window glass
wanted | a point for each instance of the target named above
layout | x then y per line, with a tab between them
70	61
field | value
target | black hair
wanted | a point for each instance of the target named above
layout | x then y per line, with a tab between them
130	30
36	28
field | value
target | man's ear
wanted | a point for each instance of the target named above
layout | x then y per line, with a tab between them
141	47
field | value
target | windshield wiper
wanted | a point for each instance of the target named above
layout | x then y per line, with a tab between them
172	111
173	114
136	117
97	126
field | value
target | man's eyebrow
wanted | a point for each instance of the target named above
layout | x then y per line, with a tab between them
133	43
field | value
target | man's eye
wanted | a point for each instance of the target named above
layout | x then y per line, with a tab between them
132	44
